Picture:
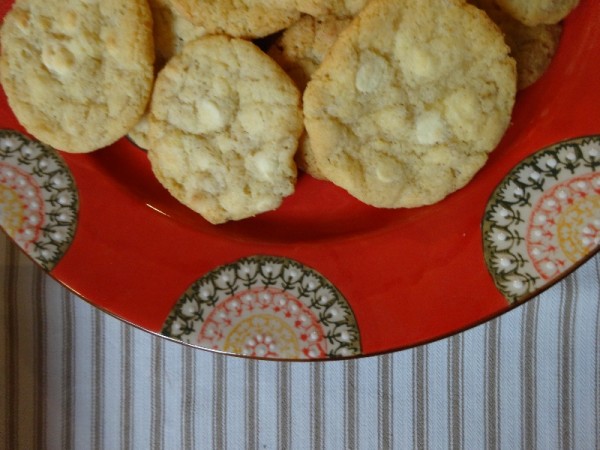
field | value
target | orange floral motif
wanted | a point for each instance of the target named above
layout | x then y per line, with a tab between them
544	217
564	224
21	205
263	322
266	307
38	198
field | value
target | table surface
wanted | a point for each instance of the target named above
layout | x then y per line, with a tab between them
74	377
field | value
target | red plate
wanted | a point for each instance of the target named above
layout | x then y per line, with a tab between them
325	275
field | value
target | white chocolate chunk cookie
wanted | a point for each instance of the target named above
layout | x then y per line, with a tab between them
77	75
171	31
410	100
139	133
224	125
532	47
240	18
338	8
299	51
535	12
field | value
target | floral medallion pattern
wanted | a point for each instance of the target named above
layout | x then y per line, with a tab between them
544	217
266	307
38	198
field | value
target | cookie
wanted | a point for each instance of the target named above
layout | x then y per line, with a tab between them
77	75
299	50
533	47
410	100
224	125
324	8
139	133
171	31
240	18
535	12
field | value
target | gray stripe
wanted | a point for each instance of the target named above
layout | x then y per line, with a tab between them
284	406
566	371
251	405
597	353
455	391
188	407
351	404
491	384
68	372
316	400
157	436
12	347
219	402
97	438
420	397
385	413
127	356
528	374
39	313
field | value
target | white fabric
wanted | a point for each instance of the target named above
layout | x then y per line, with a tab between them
74	377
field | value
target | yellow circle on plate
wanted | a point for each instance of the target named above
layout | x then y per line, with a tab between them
263	335
12	210
575	234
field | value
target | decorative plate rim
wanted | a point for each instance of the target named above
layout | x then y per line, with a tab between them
530	161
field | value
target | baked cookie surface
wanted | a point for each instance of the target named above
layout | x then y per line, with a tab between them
171	32
532	47
240	18
299	50
77	75
535	12
224	126
339	8
409	101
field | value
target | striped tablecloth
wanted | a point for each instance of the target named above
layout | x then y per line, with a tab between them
74	377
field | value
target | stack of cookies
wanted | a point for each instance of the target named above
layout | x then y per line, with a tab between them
397	101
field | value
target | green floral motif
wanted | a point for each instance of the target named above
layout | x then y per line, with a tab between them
45	179
325	302
508	214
